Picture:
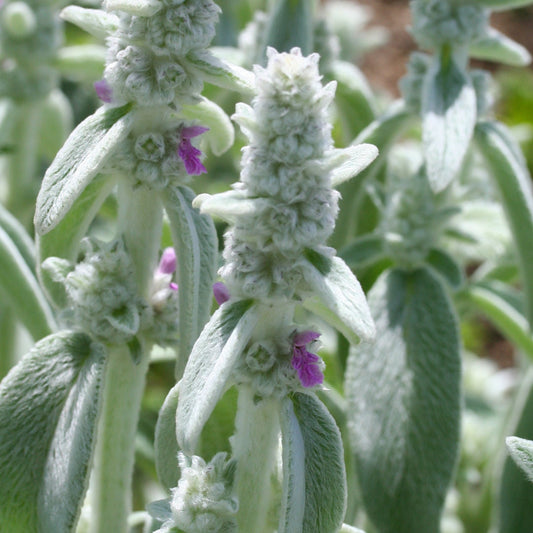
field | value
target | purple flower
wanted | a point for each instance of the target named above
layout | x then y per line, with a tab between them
104	91
306	364
167	264
221	293
188	153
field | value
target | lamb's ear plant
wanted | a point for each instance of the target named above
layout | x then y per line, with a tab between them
403	391
74	400
277	266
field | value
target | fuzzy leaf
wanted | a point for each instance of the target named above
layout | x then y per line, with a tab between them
338	299
228	205
404	401
314	495
195	240
521	450
94	21
19	285
210	366
49	405
496	46
64	240
140	8
82	156
290	24
515	489
448	120
8	118
221	133
219	73
508	168
351	161
166	444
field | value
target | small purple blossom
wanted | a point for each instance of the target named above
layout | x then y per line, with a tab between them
167	264
221	292
103	91
190	154
306	364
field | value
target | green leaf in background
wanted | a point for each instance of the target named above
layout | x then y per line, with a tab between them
8	112
290	24
495	46
363	251
446	266
49	405
314	480
521	450
195	241
64	239
448	120
81	62
19	285
515	490
502	5
210	366
56	123
338	296
79	160
508	168
19	236
354	101
404	399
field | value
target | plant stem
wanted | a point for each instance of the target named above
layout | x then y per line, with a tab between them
8	331
115	449
255	445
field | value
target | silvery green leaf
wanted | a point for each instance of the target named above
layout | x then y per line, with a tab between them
508	168
521	450
63	241
94	21
448	120
19	236
140	8
78	162
446	266
314	480
348	162
350	529
21	289
363	251
502	313
502	5
228	205
404	400
290	24
81	62
515	490
195	241
496	46
160	510
56	123
338	297
210	366
126	319
219	73
165	443
49	406
221	133
354	101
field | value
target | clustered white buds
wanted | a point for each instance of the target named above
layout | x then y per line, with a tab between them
284	172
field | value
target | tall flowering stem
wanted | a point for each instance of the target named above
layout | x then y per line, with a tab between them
281	213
